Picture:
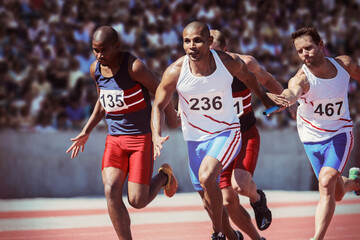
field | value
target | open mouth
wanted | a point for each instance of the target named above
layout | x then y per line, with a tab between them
193	54
308	59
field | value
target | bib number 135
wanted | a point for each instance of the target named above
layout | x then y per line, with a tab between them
112	100
330	109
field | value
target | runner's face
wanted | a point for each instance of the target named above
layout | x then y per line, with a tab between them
195	45
310	53
104	52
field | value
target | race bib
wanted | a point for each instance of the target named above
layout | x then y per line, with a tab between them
206	103
329	109
112	100
238	106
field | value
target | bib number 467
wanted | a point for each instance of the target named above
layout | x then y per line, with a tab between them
330	110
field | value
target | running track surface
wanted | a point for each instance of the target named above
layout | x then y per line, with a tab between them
180	217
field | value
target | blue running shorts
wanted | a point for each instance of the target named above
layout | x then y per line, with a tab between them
224	147
333	152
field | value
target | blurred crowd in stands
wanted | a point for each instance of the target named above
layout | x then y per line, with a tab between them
45	47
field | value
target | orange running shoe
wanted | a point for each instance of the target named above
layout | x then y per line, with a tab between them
171	186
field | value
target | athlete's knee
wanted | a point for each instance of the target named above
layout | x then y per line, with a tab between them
137	201
324	182
209	171
327	183
112	191
206	180
138	197
240	188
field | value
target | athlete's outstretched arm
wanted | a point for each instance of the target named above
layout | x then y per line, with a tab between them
265	78
297	86
163	96
238	68
97	115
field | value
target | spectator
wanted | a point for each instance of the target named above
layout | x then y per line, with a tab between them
3	117
40	86
84	57
81	34
44	122
62	123
170	37
75	112
75	73
57	31
58	70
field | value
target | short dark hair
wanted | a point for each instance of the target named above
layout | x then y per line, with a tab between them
205	32
307	31
105	34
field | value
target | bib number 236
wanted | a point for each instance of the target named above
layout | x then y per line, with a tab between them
206	104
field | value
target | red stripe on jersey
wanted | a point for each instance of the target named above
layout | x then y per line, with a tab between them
229	124
247	110
246	95
132	90
246	102
241	93
347	120
213	119
194	126
183	98
325	130
134	99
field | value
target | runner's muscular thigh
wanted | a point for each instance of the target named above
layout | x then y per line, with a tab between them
113	177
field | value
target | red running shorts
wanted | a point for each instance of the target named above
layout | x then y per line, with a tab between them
133	154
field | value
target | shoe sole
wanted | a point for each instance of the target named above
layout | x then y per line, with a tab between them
171	186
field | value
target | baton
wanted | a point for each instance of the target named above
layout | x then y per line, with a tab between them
269	111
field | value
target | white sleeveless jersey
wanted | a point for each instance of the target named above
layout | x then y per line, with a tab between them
206	103
324	110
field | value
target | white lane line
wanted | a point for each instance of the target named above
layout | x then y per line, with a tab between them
102	220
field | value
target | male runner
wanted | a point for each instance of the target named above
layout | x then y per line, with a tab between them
323	120
203	79
123	83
